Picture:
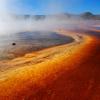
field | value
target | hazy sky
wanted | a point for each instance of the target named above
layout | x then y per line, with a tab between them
54	6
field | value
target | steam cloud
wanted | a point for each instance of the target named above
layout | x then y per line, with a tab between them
11	25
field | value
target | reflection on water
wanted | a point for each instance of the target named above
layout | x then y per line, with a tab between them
29	41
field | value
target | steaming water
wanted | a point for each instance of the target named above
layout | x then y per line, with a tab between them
94	33
28	42
98	28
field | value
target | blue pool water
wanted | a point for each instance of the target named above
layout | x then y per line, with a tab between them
28	42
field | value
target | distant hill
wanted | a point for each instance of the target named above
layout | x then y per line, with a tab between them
85	15
89	15
35	17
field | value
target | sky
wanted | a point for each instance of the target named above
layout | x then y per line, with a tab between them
39	7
